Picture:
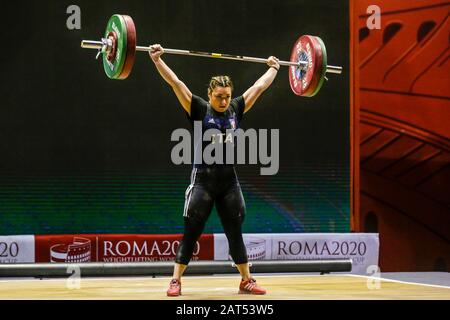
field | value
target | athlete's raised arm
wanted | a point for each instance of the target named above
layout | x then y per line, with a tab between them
182	92
253	93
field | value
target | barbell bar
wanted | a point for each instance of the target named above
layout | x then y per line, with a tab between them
307	66
98	45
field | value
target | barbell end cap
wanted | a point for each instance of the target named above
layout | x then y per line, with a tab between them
84	44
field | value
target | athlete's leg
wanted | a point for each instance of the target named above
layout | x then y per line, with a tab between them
231	209
198	207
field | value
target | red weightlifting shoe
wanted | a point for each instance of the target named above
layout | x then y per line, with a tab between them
250	287
174	288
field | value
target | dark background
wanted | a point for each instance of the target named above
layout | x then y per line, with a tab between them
62	119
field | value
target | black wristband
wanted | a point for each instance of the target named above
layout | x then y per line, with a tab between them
275	68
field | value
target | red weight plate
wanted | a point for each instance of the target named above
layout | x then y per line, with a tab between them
301	79
317	73
112	54
131	47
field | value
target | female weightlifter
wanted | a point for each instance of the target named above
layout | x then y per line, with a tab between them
217	183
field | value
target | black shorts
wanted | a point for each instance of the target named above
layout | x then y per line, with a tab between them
214	185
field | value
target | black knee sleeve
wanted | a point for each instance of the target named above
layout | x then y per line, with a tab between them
233	231
193	228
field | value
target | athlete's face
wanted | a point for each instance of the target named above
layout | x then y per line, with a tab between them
220	98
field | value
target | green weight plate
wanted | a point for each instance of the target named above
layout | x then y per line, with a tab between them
324	66
317	72
118	26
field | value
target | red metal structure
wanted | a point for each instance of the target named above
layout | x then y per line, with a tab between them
400	102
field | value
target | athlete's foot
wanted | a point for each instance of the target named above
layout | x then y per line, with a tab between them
174	288
250	287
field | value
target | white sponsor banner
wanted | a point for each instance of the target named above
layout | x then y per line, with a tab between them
362	248
17	249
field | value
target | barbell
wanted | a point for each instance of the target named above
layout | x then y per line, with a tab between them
307	65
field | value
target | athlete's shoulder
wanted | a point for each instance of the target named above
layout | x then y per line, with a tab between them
238	105
197	99
198	107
